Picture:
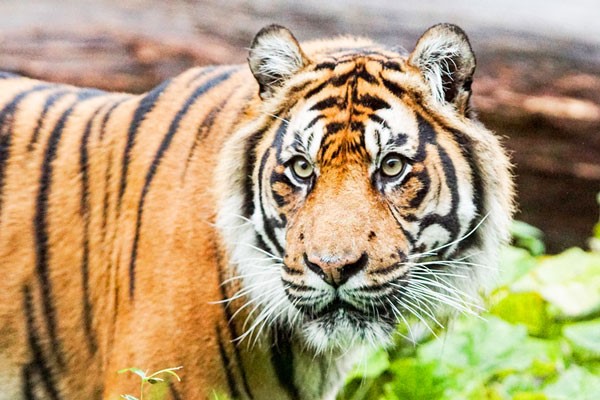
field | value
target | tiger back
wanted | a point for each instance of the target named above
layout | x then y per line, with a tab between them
249	224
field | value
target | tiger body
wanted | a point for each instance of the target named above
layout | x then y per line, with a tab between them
166	229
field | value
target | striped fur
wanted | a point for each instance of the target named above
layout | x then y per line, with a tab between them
170	228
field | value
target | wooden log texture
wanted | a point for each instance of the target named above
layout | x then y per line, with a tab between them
540	91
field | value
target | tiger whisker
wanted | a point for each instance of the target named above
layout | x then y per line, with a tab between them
398	313
244	291
259	249
237	277
277	117
449	287
428	272
262	316
428	312
253	300
455	264
457	303
407	305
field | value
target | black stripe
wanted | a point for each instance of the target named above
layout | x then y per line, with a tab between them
291	271
334	127
268	222
38	363
449	221
362	73
174	392
107	179
203	130
393	65
326	65
340	80
108	169
468	152
85	214
28	382
40	222
249	164
230	323
393	87
7	115
372	102
325	103
50	101
282	359
108	115
164	146
316	89
233	390
466	147
145	106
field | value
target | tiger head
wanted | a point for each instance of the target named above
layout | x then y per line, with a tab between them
364	191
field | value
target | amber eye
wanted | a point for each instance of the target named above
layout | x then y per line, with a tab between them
392	165
302	168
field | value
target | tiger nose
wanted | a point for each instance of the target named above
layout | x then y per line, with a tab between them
335	270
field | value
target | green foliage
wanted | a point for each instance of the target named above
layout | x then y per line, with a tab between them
539	339
152	379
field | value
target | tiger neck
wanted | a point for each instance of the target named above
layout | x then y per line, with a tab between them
282	367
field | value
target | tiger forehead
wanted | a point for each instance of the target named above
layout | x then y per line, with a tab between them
347	57
352	96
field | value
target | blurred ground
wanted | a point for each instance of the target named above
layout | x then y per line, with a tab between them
538	79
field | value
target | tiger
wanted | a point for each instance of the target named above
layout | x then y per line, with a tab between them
261	225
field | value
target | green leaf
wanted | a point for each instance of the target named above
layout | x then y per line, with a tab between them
128	397
153	381
570	281
514	263
527	237
136	371
528	309
530	396
414	380
478	353
585	338
575	383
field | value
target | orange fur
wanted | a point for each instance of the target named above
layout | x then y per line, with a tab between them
109	248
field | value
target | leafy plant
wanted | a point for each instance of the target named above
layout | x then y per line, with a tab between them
539	339
151	379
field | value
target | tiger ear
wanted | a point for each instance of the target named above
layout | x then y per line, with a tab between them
275	55
445	59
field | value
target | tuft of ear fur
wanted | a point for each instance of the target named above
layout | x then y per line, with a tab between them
274	56
446	61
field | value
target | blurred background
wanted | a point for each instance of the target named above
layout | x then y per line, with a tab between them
537	83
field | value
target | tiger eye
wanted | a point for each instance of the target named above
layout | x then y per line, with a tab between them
392	165
302	168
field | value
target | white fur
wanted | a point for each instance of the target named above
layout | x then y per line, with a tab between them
438	50
276	55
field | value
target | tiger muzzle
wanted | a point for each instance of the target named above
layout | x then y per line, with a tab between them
336	270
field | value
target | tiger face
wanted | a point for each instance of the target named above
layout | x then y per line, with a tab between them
368	203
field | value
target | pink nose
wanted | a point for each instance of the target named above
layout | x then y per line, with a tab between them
336	270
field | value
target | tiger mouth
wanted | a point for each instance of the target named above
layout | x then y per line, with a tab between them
340	309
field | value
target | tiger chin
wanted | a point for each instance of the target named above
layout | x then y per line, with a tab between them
257	224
